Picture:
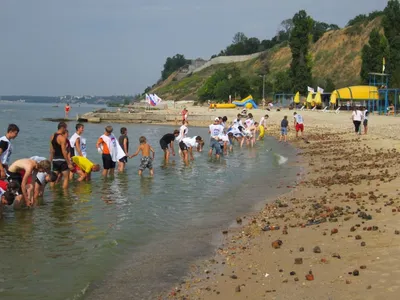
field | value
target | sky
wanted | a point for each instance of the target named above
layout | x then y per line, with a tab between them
118	47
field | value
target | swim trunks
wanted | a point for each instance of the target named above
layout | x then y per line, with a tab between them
124	159
299	127
182	146
59	165
108	163
146	162
283	130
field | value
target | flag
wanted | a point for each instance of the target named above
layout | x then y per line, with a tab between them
383	65
157	99
320	90
310	89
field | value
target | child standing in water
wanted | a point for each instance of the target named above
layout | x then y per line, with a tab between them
284	129
146	161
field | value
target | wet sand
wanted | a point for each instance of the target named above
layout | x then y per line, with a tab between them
339	226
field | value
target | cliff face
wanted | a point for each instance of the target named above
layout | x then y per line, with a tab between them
336	55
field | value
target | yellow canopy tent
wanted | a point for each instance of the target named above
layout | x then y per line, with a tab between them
355	93
317	99
297	98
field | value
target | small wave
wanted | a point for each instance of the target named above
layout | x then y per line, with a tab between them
281	159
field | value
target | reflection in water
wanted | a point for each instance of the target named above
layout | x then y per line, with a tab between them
146	184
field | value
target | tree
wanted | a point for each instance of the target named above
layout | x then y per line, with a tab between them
329	85
320	28
173	64
391	26
283	82
300	68
239	37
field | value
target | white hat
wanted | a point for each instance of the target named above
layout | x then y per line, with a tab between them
216	119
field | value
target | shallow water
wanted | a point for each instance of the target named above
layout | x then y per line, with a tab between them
129	236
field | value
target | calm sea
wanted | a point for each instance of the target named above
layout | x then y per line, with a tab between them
128	237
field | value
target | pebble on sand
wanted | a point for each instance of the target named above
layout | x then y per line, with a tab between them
317	249
298	261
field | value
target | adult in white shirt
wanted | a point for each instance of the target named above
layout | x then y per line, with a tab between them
357	117
215	131
186	146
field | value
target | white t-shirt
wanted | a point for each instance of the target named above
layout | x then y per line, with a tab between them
249	122
365	114
82	142
182	133
299	119
357	115
263	121
190	142
216	130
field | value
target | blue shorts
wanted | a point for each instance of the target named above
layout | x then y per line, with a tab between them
283	130
214	144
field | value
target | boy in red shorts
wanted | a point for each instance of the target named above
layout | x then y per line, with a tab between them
298	123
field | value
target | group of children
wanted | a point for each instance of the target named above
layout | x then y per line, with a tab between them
25	179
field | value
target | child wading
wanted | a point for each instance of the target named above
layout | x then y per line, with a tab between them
146	161
284	129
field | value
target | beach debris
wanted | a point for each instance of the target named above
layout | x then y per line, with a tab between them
298	261
277	244
356	273
270	228
238	220
397	232
336	255
310	276
301	249
324	260
266	275
292	273
363	244
334	231
358	237
296	279
363	267
237	289
233	276
317	249
369	287
352	229
225	232
348	281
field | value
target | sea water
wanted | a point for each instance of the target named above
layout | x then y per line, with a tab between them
127	237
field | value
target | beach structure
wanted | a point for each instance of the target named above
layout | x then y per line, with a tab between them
247	102
389	98
363	94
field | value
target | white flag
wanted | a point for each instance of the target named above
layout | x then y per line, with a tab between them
157	99
320	90
148	99
310	89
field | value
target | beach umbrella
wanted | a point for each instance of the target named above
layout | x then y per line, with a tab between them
297	98
333	97
317	98
309	97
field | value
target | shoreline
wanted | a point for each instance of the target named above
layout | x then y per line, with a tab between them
356	255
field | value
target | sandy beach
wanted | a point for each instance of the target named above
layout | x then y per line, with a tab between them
339	227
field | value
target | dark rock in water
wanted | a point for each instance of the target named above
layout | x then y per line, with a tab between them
237	289
317	249
298	261
356	273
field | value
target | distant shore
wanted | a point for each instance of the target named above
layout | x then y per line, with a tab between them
340	222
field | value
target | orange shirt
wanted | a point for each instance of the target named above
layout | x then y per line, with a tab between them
104	145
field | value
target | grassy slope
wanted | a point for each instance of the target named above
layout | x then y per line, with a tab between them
337	55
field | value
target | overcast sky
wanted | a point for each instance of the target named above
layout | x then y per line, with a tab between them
108	47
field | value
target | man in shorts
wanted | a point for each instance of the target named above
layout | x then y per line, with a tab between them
298	124
123	141
168	140
59	155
